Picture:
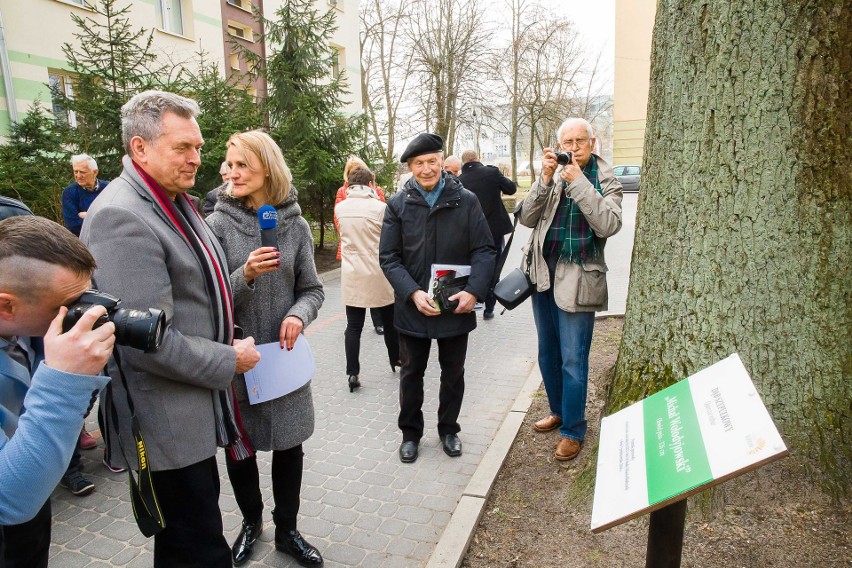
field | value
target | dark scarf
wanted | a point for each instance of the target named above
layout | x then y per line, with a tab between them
188	223
570	235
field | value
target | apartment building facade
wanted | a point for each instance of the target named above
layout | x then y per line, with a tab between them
634	26
32	34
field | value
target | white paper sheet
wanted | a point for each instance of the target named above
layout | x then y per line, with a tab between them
279	371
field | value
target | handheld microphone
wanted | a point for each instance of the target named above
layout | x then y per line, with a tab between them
267	216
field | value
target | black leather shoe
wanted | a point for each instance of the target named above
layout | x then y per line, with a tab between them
242	549
451	445
380	329
408	452
293	544
488	314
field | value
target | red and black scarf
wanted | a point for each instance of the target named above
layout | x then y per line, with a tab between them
189	224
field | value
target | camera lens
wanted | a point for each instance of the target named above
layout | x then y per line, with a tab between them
563	158
138	329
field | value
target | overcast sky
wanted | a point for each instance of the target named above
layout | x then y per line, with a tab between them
595	21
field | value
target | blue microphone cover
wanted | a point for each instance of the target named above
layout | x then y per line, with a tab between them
267	216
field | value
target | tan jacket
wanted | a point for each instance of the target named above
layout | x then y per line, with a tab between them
576	288
359	217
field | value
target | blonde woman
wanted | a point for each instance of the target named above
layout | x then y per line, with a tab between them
277	293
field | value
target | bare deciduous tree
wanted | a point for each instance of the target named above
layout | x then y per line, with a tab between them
450	39
386	63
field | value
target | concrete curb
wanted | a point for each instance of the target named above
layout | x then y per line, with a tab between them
454	542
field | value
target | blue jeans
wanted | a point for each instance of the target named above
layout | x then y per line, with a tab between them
563	357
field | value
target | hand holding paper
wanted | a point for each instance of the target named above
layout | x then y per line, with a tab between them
280	371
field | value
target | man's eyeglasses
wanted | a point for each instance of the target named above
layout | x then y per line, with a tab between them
579	142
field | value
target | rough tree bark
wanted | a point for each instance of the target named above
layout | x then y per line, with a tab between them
744	232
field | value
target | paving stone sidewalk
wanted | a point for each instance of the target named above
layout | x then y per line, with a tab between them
360	505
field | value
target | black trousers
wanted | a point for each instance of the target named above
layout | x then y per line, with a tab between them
352	335
27	545
376	316
415	355
287	467
189	500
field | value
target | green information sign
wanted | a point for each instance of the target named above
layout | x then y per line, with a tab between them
698	432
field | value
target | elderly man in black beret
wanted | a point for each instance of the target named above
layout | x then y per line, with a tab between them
433	220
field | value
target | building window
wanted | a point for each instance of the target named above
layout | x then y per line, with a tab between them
61	83
241	31
169	15
338	61
234	59
241	4
250	91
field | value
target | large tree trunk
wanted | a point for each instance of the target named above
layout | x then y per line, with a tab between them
744	232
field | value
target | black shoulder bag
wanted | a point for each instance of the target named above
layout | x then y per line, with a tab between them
516	287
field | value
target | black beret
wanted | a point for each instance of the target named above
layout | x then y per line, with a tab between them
422	144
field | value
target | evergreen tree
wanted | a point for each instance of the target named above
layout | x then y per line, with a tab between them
33	166
225	110
111	62
305	103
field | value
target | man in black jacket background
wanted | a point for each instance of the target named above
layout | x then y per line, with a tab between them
487	183
433	220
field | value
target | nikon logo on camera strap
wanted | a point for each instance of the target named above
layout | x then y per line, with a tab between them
140	447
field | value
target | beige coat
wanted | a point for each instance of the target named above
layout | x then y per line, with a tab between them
576	288
359	217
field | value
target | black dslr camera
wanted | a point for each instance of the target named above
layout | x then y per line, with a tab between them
564	158
141	330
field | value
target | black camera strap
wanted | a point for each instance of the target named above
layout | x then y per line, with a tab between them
498	269
146	508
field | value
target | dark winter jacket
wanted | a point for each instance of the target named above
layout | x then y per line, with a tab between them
414	237
487	183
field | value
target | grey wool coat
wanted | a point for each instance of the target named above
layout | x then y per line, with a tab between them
292	290
144	261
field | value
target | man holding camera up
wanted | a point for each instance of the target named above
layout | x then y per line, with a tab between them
433	220
46	384
571	217
154	251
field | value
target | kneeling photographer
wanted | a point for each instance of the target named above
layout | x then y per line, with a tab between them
48	377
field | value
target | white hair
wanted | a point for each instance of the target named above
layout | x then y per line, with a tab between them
574	122
77	158
224	168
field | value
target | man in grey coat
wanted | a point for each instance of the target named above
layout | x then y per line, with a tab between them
154	251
